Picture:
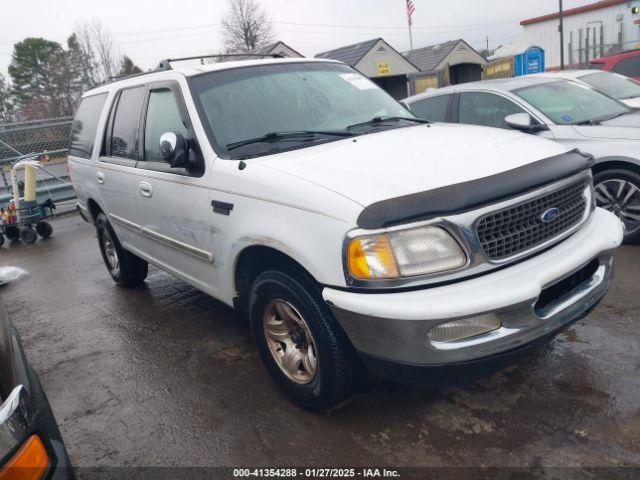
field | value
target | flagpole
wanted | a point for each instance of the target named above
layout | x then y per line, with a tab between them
410	35
409	22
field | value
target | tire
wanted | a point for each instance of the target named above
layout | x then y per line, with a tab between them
28	235
618	191
12	233
126	269
1	239
333	379
44	229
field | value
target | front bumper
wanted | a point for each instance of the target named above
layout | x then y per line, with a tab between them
393	327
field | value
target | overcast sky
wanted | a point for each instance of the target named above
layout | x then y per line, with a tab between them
150	30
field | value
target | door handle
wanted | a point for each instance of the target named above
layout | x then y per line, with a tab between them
100	177
146	190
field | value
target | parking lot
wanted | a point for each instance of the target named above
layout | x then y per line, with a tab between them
165	376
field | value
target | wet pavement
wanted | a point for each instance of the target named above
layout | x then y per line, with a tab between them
164	375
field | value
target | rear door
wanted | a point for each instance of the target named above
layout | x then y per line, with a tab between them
174	203
116	175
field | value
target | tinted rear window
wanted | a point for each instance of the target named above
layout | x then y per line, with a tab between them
628	66
433	108
85	125
124	137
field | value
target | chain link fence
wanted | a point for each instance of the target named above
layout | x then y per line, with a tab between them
49	138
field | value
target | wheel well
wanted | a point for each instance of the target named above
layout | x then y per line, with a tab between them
255	260
615	164
94	209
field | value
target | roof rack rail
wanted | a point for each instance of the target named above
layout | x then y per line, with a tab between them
113	78
166	63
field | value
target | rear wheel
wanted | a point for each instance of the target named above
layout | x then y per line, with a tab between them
619	192
12	233
1	239
300	341
125	268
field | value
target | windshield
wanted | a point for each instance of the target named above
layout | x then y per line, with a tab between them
241	104
569	103
615	86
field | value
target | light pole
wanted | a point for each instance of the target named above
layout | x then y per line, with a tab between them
561	29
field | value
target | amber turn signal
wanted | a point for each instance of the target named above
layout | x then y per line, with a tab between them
29	463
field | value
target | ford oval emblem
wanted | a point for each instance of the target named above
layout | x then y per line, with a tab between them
550	215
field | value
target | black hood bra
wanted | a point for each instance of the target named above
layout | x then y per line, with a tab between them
462	197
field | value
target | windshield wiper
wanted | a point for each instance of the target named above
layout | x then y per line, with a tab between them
599	120
380	120
280	136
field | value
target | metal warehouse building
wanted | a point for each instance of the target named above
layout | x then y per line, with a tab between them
380	62
590	31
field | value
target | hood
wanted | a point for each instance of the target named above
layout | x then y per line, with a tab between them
398	162
624	127
632	102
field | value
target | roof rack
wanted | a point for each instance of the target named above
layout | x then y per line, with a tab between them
166	64
113	78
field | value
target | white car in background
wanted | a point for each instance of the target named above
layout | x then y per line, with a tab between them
569	112
617	86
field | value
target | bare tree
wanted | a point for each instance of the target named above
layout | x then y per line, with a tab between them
246	27
99	50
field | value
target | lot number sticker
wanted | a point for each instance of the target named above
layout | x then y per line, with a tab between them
358	81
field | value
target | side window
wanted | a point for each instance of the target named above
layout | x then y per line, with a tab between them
163	115
85	125
478	108
433	108
628	66
124	136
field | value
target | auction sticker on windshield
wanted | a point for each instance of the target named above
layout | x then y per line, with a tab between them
358	81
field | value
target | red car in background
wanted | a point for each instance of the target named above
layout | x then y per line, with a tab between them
625	63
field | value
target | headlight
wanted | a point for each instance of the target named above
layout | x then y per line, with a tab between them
404	253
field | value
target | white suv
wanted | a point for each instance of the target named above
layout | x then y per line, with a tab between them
349	231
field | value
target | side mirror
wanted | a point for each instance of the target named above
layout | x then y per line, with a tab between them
174	149
523	122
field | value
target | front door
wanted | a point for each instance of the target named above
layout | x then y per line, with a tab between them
173	203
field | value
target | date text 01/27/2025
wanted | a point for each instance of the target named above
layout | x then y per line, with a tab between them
315	473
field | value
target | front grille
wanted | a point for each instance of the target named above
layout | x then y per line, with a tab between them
518	228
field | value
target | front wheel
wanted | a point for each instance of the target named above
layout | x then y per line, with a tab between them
300	341
28	235
619	192
125	268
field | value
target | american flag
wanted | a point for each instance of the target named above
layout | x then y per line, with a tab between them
410	10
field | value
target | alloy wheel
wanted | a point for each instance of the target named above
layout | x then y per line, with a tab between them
110	252
622	198
290	341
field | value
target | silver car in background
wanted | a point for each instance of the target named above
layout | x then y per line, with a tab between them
569	112
617	86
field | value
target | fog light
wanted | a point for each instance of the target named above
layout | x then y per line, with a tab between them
465	328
